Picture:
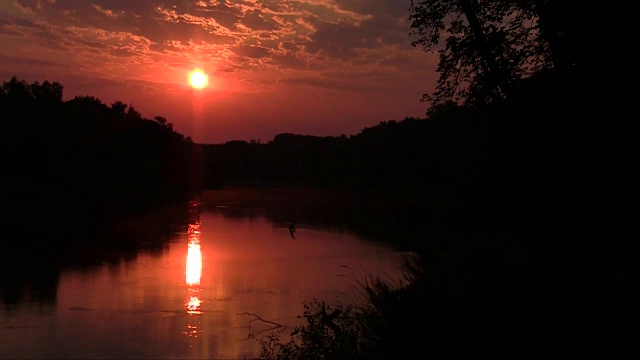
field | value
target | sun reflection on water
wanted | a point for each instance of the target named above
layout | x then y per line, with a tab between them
193	271
194	262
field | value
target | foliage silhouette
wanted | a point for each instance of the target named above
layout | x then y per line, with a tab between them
80	163
490	46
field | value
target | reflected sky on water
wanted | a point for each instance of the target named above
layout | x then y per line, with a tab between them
195	297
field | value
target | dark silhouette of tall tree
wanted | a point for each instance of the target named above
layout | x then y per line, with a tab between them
489	46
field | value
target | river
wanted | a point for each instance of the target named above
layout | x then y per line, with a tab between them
212	290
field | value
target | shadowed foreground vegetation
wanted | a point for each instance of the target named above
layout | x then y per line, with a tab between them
517	189
524	231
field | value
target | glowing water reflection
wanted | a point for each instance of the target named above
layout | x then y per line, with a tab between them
194	262
194	268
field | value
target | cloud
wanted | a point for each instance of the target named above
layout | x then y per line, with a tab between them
255	52
326	83
26	61
322	30
8	20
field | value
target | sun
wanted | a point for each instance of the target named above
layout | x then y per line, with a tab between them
198	79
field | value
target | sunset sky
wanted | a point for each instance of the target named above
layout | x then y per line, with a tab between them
313	67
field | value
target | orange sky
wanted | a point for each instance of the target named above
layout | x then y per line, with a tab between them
317	67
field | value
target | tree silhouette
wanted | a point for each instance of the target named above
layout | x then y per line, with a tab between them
80	162
488	47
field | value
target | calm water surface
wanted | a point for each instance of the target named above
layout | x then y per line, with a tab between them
199	297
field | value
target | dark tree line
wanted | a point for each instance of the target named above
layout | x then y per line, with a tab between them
77	163
385	155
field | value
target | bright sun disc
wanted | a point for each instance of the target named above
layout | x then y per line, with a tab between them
198	79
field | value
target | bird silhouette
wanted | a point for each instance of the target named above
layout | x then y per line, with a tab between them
292	229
